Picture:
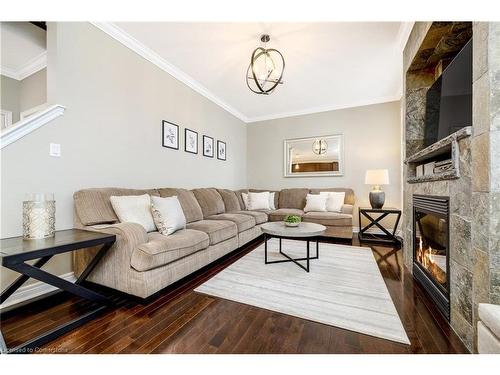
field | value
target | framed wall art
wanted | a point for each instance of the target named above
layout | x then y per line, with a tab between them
221	150
170	135
190	141
208	146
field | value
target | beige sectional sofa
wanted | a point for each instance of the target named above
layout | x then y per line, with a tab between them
141	263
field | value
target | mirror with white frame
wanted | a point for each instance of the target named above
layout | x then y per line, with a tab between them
314	156
23	76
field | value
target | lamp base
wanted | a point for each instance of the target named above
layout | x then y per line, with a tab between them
377	199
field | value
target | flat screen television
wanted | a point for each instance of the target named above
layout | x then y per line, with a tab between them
449	99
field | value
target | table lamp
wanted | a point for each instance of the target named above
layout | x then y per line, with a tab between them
377	177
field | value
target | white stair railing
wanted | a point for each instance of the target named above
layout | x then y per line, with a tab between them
29	124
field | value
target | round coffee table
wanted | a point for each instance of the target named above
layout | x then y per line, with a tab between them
305	231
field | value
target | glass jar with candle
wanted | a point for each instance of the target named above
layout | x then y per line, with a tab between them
39	216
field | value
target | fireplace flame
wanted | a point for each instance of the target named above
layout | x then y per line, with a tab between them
425	257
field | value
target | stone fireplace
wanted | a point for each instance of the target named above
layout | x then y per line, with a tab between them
470	273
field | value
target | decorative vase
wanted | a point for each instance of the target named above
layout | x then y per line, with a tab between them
39	216
377	199
292	224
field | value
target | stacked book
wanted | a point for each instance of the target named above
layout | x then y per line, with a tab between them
443	166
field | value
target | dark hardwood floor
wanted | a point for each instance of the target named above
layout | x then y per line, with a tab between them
180	320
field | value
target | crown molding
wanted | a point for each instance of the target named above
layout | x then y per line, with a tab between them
29	124
403	35
8	72
314	110
130	42
31	67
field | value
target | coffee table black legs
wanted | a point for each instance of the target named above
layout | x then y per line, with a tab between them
290	259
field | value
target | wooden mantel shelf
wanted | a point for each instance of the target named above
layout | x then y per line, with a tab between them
29	124
448	146
436	148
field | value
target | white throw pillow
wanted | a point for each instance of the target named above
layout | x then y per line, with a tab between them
134	209
244	196
271	201
335	200
316	203
258	201
167	214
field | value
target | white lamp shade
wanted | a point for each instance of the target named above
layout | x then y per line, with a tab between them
377	177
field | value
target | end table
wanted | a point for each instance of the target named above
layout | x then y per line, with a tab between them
15	253
387	237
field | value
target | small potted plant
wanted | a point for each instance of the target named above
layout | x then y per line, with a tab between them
292	220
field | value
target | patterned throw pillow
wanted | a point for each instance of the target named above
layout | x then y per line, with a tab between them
159	222
167	214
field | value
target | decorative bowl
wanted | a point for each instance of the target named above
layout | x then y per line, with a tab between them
292	220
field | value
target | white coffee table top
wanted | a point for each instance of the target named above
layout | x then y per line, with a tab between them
278	228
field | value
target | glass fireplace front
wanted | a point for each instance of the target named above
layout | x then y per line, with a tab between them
431	247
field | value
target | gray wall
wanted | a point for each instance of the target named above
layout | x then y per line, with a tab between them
18	96
372	140
9	94
33	90
110	134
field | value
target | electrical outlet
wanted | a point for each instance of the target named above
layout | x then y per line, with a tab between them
55	150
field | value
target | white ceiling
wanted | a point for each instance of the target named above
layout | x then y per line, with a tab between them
328	65
23	48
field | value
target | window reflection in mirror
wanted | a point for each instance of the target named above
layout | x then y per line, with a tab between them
314	156
23	69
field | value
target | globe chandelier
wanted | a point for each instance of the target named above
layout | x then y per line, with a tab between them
265	71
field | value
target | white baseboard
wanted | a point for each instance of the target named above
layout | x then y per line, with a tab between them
33	291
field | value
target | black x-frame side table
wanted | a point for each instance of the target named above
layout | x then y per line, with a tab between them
16	252
387	237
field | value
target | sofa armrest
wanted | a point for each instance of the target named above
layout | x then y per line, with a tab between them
127	234
114	269
347	209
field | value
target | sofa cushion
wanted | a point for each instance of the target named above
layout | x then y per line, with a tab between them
487	342
240	198
349	193
280	214
230	199
189	204
92	206
217	230
347	209
490	316
276	195
210	201
161	250
328	218
259	216
292	198
243	222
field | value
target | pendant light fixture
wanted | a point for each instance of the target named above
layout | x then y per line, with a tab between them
266	68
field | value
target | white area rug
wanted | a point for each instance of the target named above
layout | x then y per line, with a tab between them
344	288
